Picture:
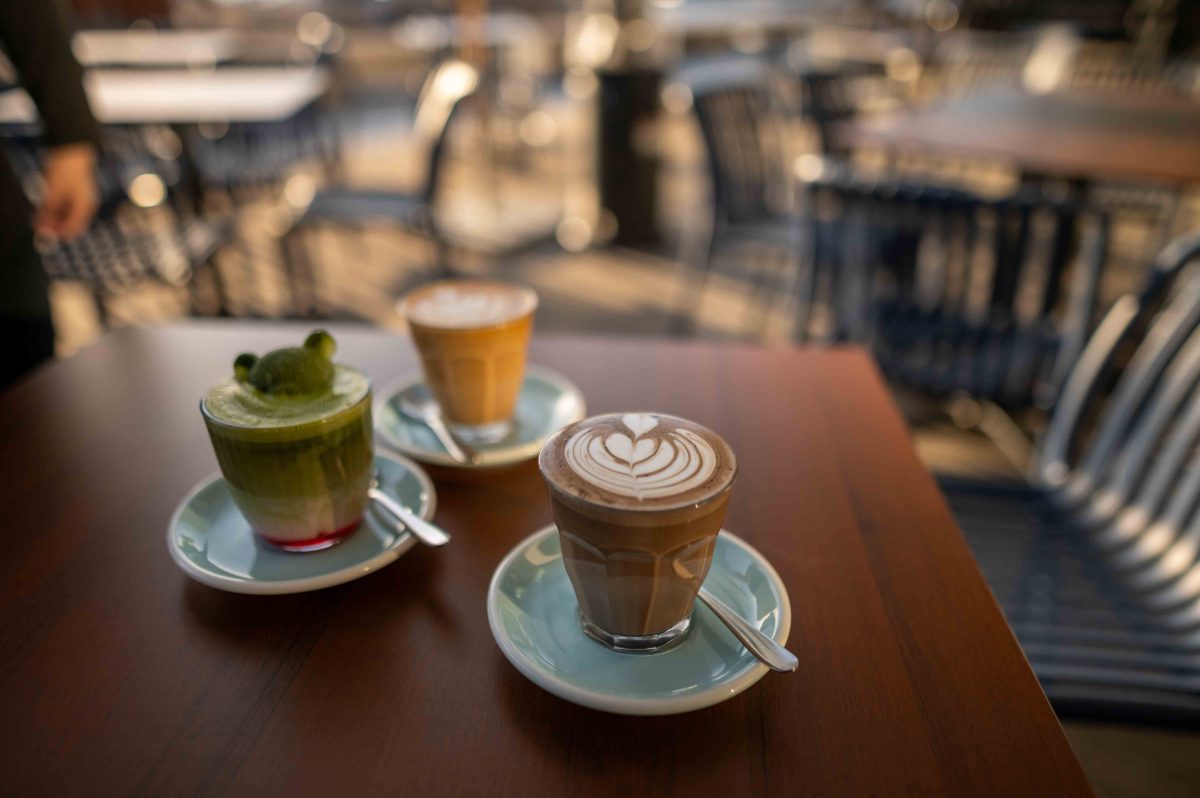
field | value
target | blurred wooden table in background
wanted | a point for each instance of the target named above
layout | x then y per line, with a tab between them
1074	135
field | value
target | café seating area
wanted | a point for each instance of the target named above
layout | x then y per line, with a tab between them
743	210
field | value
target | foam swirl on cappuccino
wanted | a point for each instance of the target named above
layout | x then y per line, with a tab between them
467	304
640	460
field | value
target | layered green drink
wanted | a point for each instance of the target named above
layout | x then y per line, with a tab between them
292	434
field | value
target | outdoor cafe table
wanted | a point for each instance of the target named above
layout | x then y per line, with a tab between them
155	48
1080	135
181	96
120	675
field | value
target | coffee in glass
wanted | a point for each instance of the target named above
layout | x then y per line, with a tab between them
472	336
638	499
292	434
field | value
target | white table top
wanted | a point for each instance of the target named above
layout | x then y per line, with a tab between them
235	94
154	48
706	18
430	32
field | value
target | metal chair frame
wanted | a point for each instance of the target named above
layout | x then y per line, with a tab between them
448	85
899	267
1097	560
734	109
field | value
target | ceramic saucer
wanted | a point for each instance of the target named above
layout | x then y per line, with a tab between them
548	402
533	615
210	540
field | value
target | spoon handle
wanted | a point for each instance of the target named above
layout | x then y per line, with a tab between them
435	423
768	652
426	532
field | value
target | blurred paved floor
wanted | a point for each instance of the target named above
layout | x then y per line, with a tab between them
1132	762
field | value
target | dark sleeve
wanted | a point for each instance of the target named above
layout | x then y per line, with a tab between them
37	39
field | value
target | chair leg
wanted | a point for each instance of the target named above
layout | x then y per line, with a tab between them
101	309
294	248
758	302
219	287
195	306
773	286
442	258
330	143
694	281
804	284
287	259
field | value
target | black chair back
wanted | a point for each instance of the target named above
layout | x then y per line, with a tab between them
1097	564
733	106
451	82
1119	371
955	292
830	96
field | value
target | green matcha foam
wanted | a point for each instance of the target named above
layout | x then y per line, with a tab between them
241	405
287	387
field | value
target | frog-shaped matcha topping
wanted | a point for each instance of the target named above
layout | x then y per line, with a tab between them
292	371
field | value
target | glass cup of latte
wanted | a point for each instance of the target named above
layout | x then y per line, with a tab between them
472	336
638	499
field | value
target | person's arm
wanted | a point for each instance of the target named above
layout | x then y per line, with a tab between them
70	198
36	39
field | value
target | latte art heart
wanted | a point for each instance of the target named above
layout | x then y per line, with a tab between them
639	460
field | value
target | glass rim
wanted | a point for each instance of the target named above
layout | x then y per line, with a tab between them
402	305
315	422
708	498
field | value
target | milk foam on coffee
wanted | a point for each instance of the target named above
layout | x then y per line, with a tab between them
464	304
236	403
639	461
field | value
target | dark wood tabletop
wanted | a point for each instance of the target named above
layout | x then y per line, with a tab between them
1079	135
122	676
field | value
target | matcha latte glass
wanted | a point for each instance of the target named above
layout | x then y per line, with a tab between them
292	434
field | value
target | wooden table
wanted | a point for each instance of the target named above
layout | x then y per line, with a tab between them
181	96
1076	135
121	675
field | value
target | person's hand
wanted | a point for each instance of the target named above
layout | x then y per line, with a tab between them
70	199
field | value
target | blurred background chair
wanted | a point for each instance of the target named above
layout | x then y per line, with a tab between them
1095	560
241	160
252	159
831	94
749	227
448	85
955	292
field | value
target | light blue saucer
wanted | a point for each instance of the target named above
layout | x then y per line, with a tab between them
210	540
548	402
535	619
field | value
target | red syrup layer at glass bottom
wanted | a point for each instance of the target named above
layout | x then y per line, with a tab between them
322	541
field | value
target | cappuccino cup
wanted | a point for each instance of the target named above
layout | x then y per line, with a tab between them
638	499
472	336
